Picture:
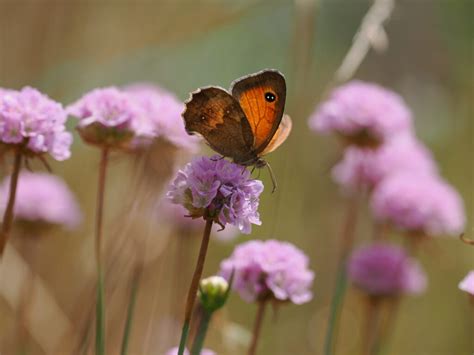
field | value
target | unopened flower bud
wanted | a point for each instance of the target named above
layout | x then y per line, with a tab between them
213	292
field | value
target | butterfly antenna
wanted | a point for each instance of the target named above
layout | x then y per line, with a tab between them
272	176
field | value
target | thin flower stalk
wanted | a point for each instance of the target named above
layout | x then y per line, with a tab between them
135	284
192	293
204	322
9	211
371	331
100	306
347	242
257	327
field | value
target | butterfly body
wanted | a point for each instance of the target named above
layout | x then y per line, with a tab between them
244	123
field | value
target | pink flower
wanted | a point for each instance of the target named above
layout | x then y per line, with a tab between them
162	115
42	198
269	270
467	284
363	113
217	189
109	117
30	118
365	167
385	270
419	203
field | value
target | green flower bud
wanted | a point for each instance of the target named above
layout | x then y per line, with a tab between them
213	292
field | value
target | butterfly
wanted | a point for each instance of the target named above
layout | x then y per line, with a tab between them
244	123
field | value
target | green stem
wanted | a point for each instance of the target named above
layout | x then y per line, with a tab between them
9	211
193	288
201	333
131	309
348	234
100	305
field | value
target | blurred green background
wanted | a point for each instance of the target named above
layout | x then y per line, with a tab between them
65	48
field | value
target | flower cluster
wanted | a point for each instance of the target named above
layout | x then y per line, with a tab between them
467	284
218	190
365	168
386	159
385	270
108	117
131	117
419	203
161	113
269	270
42	198
362	113
34	122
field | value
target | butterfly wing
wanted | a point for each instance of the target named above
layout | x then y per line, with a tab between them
262	98
280	135
217	116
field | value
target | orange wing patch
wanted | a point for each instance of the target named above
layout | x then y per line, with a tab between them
259	105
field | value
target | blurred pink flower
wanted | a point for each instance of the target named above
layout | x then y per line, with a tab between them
162	114
174	351
269	270
364	113
385	270
42	198
467	284
419	203
109	117
31	118
365	167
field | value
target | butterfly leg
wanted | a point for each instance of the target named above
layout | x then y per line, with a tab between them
217	159
272	176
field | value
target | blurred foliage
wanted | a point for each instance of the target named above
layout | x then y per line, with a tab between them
67	47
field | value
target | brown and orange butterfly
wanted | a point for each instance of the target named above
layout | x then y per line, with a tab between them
245	123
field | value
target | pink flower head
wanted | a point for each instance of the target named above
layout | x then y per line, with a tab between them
30	119
419	203
269	270
162	114
42	198
174	351
217	189
363	113
110	117
467	284
365	167
385	270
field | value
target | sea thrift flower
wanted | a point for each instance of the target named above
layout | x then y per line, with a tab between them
385	270
161	112
419	203
174	351
467	284
109	117
42	198
365	167
213	292
269	270
218	190
363	113
34	122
